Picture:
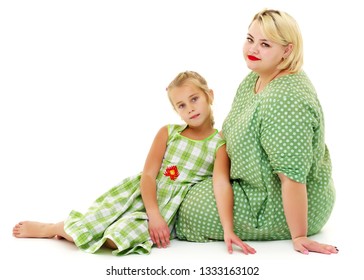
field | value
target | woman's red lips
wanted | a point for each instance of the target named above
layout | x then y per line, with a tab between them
252	57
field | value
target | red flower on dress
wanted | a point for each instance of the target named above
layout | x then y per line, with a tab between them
171	172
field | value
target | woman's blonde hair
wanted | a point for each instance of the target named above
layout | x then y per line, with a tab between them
195	79
281	28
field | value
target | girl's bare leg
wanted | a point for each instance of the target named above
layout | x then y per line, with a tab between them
30	229
110	244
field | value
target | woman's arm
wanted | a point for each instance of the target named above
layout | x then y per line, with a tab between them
295	205
294	196
158	228
225	200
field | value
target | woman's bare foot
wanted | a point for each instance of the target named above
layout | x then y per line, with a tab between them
29	229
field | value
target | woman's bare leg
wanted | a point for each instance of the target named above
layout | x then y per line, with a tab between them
30	229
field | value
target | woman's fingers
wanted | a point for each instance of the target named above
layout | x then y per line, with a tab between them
323	249
305	245
246	249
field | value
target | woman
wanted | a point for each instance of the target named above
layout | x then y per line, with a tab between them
280	165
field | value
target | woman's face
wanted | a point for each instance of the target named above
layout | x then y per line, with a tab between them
260	54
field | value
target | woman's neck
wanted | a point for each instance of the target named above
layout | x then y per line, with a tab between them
264	79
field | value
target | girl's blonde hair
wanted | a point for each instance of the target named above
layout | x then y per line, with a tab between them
195	79
281	28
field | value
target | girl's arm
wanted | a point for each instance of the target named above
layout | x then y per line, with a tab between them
158	228
294	196
225	201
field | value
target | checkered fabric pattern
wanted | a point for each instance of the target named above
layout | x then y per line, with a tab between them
119	214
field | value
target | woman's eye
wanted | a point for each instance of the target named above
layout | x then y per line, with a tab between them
194	99
265	45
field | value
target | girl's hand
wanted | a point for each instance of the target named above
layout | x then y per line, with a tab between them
159	231
231	238
305	245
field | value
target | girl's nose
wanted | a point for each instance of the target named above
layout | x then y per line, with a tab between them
190	108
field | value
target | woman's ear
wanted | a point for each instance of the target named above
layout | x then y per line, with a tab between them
287	50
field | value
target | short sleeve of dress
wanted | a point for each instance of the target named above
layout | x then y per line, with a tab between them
173	129
287	131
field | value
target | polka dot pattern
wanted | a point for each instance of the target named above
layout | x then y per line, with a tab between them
279	130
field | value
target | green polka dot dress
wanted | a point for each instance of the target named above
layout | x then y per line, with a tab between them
279	130
119	214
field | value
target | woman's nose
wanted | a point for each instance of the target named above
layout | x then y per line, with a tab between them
253	48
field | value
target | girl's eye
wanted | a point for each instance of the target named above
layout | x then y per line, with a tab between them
194	99
250	40
265	45
181	106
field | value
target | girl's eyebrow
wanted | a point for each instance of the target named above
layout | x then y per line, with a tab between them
189	97
193	94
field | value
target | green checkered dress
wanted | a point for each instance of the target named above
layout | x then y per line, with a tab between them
119	214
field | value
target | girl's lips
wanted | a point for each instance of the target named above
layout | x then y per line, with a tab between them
252	57
195	116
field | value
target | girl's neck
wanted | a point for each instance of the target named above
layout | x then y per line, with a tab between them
198	133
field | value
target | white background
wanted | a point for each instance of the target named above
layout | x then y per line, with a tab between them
82	87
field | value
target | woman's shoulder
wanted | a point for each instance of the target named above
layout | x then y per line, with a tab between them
295	80
249	79
244	90
291	91
292	85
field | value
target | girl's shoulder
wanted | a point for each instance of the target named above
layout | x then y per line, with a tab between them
175	129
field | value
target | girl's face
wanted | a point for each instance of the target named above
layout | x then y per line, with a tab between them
191	104
260	54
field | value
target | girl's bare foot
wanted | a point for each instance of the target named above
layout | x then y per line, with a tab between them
29	229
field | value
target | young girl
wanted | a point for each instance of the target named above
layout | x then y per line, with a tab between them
141	211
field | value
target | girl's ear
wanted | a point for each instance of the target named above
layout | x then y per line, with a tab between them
211	96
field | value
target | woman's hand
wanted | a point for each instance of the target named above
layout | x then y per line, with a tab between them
305	245
159	231
231	238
